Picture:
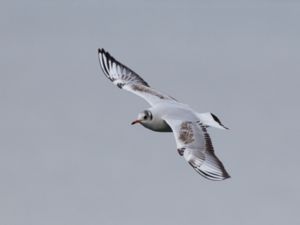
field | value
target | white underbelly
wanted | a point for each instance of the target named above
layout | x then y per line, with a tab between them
160	126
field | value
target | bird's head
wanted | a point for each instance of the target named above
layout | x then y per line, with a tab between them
143	117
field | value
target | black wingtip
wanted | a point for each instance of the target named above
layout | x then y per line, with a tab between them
226	175
101	50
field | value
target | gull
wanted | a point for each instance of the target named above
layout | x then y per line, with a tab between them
166	114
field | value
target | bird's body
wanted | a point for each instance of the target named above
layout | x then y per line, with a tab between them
166	114
160	111
158	124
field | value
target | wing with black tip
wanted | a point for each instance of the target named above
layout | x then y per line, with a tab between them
127	79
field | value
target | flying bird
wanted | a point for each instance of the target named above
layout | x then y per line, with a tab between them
166	114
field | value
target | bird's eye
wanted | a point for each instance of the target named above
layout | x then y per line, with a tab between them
145	117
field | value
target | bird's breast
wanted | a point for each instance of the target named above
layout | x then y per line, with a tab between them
158	126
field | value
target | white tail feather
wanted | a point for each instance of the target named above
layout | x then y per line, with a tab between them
210	120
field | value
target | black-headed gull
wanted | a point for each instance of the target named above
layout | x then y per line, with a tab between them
166	114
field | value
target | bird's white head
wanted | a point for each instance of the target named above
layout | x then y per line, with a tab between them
143	117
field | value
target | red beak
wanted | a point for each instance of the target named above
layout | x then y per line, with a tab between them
136	121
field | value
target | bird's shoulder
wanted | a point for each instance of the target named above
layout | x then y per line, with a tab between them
174	111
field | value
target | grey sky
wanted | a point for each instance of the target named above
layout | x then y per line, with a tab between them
68	154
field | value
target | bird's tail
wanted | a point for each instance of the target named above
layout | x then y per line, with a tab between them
210	120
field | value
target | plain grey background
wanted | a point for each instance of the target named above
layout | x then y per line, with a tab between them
68	154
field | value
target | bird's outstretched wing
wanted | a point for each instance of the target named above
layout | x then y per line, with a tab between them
127	79
194	144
